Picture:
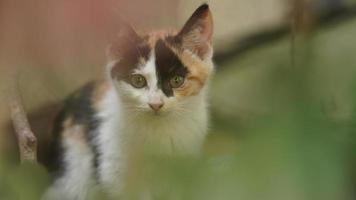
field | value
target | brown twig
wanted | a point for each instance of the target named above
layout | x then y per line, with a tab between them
302	17
302	21
27	141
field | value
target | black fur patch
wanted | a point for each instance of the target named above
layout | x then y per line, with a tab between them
167	66
78	107
55	163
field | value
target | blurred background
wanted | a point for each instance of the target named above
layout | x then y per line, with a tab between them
283	115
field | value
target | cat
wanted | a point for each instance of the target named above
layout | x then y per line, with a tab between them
154	97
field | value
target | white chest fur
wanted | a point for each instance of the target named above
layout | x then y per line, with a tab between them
170	133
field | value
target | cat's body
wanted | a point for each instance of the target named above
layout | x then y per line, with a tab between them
154	99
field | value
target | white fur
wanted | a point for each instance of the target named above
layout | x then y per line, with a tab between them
180	128
78	177
127	121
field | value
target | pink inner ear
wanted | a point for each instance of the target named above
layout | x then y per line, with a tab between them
197	33
207	28
200	20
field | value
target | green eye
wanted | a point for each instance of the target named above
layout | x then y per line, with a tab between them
138	81
176	81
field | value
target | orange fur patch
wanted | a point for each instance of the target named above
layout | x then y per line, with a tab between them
100	90
154	36
199	72
74	132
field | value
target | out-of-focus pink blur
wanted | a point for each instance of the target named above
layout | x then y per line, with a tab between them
54	47
53	33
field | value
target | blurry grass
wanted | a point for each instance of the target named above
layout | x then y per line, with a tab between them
350	2
278	131
243	87
293	124
26	181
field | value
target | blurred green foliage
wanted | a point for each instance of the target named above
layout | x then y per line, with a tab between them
26	181
280	130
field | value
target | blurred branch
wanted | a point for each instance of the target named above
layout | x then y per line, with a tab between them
27	141
302	20
241	45
302	17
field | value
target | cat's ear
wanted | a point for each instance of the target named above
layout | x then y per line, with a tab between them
125	39
197	33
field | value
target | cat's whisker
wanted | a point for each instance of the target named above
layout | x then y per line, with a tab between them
184	110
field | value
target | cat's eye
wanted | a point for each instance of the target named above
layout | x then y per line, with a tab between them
176	81
138	81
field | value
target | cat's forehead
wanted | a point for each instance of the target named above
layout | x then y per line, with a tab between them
167	63
160	57
152	37
161	48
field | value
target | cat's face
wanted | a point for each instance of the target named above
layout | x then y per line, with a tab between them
163	71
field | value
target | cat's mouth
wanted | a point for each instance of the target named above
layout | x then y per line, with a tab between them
157	112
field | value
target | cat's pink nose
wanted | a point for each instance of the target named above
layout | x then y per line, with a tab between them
156	106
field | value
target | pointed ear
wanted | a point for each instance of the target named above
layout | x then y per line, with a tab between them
124	40
197	33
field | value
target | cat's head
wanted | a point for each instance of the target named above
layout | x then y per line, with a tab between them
163	71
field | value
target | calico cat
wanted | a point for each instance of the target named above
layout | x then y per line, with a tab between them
154	97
